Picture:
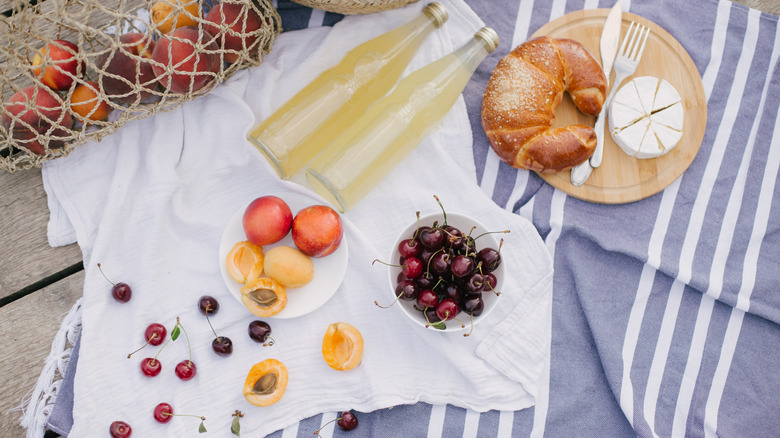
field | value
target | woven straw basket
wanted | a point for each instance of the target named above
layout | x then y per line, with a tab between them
353	7
43	119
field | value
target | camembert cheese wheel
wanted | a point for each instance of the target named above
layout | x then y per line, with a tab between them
646	117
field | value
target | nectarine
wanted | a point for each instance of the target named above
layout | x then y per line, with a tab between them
267	220
87	103
128	74
173	14
317	230
57	64
182	66
34	111
235	27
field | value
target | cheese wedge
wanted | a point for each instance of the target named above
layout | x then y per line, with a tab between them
646	117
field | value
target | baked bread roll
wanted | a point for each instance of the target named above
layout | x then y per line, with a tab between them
522	94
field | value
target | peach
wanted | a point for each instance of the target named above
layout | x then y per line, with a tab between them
87	103
36	110
128	72
267	220
168	15
182	66
57	64
317	230
235	26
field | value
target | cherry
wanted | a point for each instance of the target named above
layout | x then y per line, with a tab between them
430	315
490	283
427	298
120	429
473	304
440	263
121	291
447	309
348	421
489	258
260	331
453	291
208	305
425	255
462	265
186	369
453	236
222	345
432	238
408	290
163	412
151	366
412	267
409	248
475	282
426	280
155	333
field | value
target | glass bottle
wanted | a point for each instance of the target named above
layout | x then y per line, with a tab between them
375	143
317	114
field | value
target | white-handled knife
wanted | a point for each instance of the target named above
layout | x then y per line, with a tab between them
608	46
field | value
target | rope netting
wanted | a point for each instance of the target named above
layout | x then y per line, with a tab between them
354	6
74	71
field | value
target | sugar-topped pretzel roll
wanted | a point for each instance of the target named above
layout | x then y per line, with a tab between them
522	94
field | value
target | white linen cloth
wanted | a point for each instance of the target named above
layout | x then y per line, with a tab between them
150	203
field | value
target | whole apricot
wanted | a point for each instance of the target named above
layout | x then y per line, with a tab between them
181	66
34	111
288	266
87	103
172	14
57	64
235	26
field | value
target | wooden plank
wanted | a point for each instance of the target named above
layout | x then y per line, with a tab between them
25	254
30	325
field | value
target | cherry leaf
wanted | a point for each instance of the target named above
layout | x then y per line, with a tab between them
202	428
175	332
235	428
439	325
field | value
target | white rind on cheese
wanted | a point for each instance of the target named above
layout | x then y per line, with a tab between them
646	117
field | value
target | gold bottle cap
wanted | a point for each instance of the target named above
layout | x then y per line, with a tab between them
490	37
437	13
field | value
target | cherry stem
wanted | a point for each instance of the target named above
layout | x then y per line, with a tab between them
208	307
189	347
471	316
492	232
442	209
104	275
167	414
317	432
154	335
386	264
414	236
268	344
391	304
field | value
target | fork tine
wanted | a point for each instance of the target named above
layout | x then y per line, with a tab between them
635	42
642	46
626	38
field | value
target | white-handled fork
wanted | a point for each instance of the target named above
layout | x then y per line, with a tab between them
625	65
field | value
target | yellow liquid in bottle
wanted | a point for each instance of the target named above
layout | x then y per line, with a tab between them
372	146
317	114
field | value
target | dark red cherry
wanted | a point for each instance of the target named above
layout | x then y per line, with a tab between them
348	421
163	412
461	265
447	309
425	255
409	248
473	304
452	236
431	238
430	315
412	267
475	282
186	369
121	292
151	366
490	282
427	298
453	291
120	429
155	333
259	331
222	345
490	259
408	290
208	305
400	277
440	263
426	280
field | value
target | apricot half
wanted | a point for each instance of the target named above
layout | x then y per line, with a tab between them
264	297
244	262
265	383
342	346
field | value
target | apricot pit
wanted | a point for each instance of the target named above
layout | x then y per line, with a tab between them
264	297
266	382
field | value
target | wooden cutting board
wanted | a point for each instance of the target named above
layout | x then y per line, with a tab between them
621	178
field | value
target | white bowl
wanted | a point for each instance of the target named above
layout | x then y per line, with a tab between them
464	224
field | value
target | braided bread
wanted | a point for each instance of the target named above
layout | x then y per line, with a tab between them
519	104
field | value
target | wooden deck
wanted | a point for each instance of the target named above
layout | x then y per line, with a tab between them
39	284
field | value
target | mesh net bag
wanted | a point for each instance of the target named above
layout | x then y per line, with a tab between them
354	7
76	70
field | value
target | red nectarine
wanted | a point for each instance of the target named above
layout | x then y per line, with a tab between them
57	64
235	27
36	110
127	69
317	230
182	67
267	220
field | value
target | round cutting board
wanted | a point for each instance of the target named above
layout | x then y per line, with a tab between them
621	178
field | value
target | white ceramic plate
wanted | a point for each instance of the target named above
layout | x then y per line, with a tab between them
464	223
328	271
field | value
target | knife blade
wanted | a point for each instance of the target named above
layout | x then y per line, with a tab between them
608	46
